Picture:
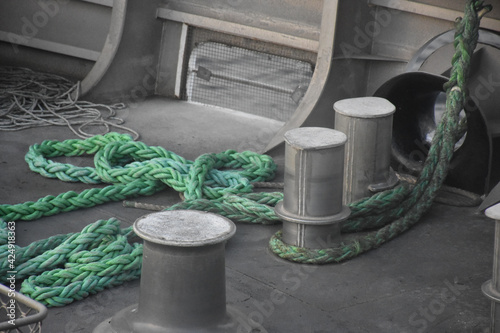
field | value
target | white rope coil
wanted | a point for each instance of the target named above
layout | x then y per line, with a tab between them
31	99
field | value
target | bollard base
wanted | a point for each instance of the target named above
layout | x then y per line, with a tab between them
183	276
490	292
311	232
390	183
127	321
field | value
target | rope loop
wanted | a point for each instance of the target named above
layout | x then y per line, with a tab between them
395	211
65	268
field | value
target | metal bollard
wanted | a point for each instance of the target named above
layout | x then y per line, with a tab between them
312	207
491	288
183	286
367	122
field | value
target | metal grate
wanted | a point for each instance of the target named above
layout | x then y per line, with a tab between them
246	80
26	315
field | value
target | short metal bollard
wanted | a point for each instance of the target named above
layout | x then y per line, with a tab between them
312	207
367	122
491	288
183	285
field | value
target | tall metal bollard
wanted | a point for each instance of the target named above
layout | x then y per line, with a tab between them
491	288
183	286
367	122
312	207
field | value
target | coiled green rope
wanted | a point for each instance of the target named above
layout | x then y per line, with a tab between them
65	268
397	210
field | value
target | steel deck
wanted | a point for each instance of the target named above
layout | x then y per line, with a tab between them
427	280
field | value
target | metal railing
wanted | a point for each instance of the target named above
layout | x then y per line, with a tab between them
20	314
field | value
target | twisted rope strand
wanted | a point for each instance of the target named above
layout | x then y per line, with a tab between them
31	99
408	206
65	268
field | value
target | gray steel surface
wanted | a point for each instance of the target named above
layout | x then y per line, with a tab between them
427	279
183	282
367	123
312	206
491	288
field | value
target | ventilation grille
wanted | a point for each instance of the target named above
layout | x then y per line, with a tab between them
251	81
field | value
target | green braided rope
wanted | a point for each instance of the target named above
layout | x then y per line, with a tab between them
3	234
65	268
85	272
24	254
76	265
254	208
69	201
404	206
38	154
90	237
135	169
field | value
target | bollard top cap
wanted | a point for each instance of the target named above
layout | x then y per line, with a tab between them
184	228
313	138
364	107
493	212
